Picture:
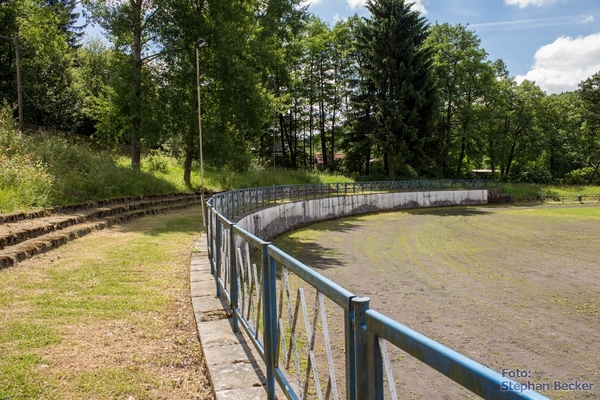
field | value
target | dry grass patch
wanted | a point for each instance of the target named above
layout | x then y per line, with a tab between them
108	316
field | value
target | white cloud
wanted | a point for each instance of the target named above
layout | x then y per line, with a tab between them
530	23
309	2
356	3
586	20
418	5
525	3
561	65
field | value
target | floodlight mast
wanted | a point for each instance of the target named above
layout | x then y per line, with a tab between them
199	44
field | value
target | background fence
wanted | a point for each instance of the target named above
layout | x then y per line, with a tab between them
237	202
317	339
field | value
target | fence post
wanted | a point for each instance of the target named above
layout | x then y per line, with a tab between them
218	256
269	291
233	279
210	231
359	376
375	367
243	193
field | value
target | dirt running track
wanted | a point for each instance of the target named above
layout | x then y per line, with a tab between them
513	288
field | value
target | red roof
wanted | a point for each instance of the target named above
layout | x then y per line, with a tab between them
319	157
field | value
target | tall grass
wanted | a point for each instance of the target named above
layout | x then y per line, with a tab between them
258	177
38	171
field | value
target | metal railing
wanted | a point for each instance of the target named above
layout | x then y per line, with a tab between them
268	295
237	202
569	198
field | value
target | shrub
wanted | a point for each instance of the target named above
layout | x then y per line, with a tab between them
157	161
533	176
581	176
24	178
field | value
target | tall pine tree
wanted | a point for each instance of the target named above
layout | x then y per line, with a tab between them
396	63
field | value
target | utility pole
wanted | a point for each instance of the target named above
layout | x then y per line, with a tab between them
19	87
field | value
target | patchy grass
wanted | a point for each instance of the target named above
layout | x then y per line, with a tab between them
108	316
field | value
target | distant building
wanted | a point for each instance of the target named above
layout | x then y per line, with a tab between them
482	173
319	157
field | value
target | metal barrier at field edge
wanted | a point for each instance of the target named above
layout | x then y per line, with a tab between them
259	281
237	202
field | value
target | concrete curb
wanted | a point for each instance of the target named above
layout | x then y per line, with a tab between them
235	368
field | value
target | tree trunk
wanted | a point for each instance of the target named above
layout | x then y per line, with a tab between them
511	156
136	118
461	157
492	156
310	122
594	173
190	139
333	121
282	131
323	138
391	165
189	155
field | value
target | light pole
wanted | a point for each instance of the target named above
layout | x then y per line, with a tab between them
19	87
199	44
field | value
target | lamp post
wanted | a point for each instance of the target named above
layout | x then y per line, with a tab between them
199	44
19	87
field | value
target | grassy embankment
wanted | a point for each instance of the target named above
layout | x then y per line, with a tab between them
46	171
532	190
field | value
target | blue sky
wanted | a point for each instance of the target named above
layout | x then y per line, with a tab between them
555	43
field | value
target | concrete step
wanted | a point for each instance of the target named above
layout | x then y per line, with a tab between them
29	235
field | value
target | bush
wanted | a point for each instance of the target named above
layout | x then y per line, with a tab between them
157	161
533	176
581	176
27	181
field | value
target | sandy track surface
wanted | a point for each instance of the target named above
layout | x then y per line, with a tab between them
512	288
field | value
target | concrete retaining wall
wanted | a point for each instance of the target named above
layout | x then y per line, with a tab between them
272	221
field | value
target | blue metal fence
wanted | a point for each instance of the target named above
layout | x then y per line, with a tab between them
236	202
259	279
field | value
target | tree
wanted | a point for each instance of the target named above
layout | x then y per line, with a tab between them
131	25
520	142
559	120
465	79
589	93
49	96
399	67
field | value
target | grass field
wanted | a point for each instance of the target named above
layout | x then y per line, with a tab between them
510	287
108	316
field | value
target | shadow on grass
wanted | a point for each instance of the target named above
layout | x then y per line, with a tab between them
451	211
312	251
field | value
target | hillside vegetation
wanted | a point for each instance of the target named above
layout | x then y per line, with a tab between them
41	171
38	171
280	86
